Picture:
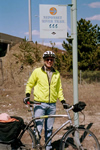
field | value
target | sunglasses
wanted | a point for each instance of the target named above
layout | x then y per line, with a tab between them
49	59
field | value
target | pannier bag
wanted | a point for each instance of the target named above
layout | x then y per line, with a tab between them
10	129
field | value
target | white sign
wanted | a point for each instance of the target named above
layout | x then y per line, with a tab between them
53	21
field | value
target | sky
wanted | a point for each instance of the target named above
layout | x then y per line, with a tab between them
14	17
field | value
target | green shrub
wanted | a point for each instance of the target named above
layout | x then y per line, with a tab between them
91	76
29	54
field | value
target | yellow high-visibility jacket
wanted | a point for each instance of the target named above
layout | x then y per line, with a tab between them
43	91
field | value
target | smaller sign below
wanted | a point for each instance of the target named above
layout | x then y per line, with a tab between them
53	21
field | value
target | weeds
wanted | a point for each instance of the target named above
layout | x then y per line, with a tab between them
28	54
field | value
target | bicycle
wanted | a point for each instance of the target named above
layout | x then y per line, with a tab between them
77	138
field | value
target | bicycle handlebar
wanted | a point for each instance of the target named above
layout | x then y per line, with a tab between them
32	102
76	108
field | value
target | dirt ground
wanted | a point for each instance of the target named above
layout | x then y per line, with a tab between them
11	102
12	92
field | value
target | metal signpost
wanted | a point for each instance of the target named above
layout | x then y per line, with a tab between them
30	27
75	56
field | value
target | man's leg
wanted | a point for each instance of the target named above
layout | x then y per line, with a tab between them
39	111
49	124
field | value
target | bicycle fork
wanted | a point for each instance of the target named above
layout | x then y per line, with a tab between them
77	141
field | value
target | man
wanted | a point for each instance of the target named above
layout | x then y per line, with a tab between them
47	89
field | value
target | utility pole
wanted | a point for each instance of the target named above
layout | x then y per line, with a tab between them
75	56
30	27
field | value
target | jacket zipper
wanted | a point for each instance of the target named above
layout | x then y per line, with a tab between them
49	92
49	86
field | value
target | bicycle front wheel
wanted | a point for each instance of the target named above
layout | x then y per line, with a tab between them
28	140
80	139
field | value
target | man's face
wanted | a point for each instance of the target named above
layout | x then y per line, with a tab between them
49	62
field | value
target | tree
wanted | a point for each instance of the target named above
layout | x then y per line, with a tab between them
68	57
87	45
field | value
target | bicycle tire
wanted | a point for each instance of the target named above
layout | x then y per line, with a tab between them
28	140
85	140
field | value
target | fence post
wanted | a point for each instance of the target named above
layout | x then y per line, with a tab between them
80	76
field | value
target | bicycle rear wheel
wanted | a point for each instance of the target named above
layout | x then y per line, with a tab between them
28	140
80	139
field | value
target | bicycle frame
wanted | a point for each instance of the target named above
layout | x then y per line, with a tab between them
74	136
64	124
69	121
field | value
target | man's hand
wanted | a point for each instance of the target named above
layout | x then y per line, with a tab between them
79	106
65	105
26	100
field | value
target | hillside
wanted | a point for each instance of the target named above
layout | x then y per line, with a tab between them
16	74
